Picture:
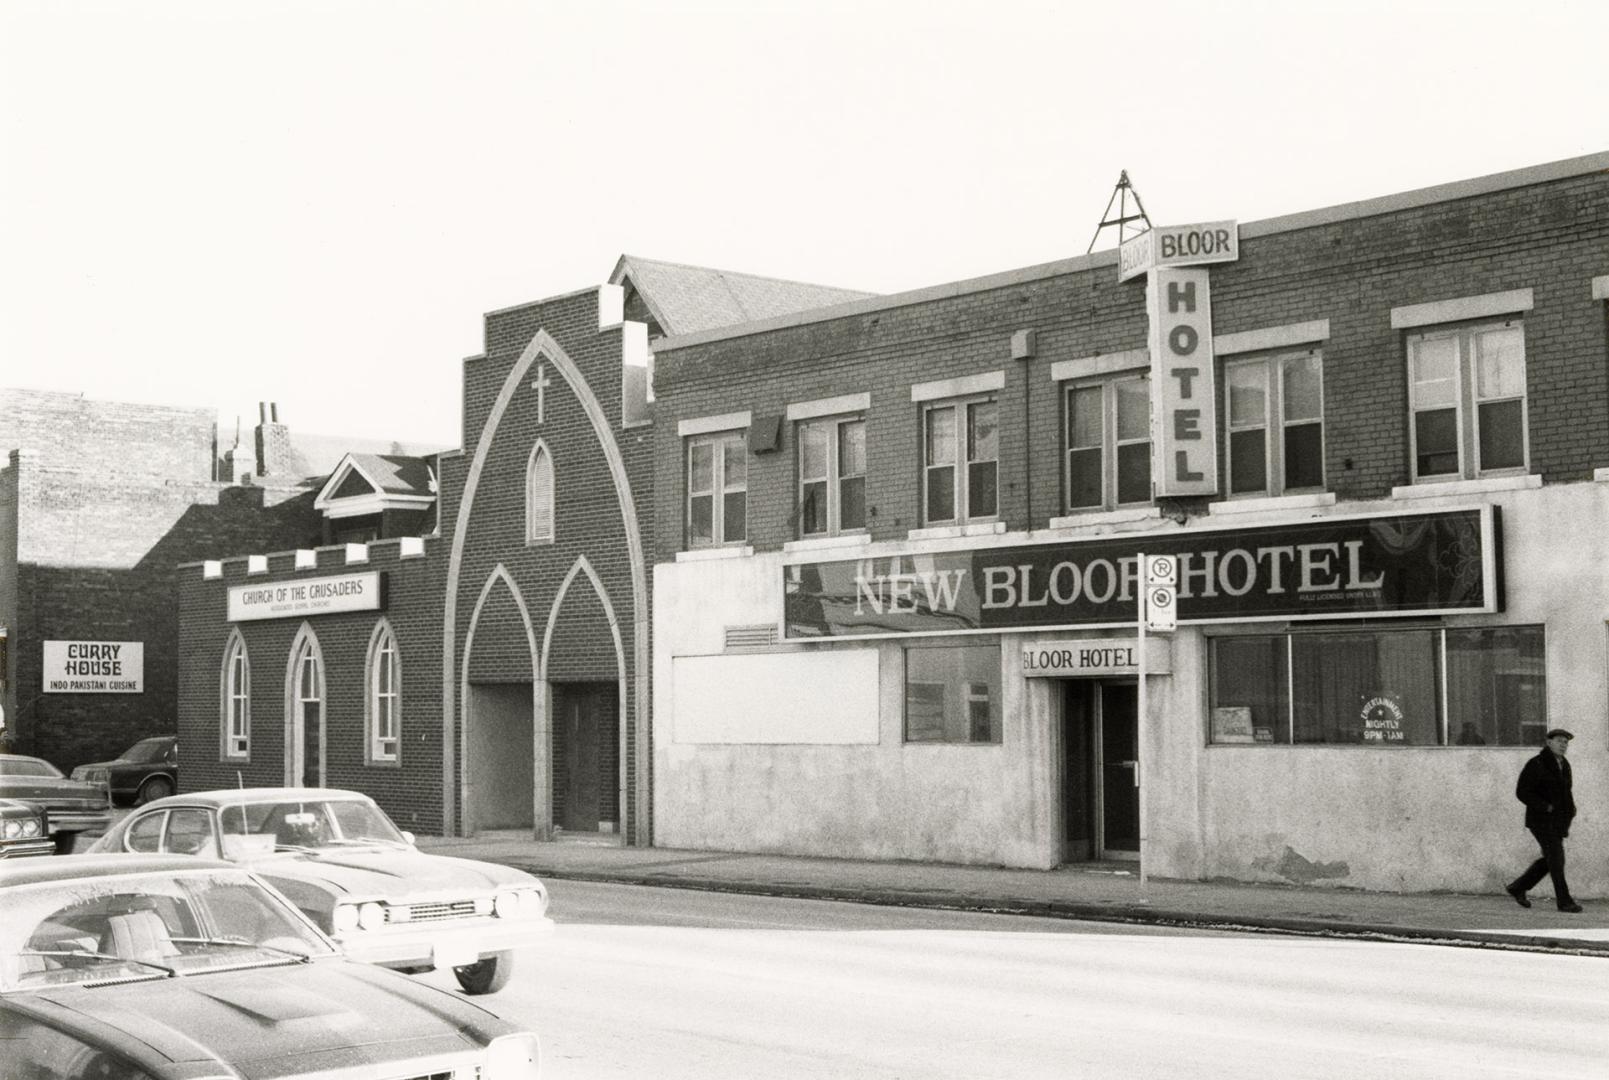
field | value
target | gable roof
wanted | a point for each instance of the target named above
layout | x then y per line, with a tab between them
379	480
689	299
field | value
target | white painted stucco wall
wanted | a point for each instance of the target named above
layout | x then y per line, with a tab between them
1400	819
1431	818
883	799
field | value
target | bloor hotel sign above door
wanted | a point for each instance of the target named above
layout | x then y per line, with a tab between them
1409	563
307	596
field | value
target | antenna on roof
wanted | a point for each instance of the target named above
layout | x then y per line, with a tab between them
1120	195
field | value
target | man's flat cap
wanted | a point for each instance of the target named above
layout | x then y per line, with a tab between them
1559	732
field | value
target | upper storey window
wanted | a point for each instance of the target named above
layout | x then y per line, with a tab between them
717	489
1466	390
539	496
1108	443
832	476
1275	423
961	461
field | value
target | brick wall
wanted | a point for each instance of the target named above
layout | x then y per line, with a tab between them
109	437
95	560
1551	237
409	791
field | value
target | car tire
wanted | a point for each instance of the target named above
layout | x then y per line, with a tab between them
157	787
486	976
65	842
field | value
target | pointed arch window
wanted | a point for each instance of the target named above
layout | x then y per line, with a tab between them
384	698
539	496
235	699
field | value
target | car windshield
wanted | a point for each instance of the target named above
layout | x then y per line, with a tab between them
127	927
27	766
306	824
146	750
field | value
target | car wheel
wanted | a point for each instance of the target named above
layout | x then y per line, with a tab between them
486	976
158	787
64	842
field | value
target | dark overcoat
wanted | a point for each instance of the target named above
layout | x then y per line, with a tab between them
1544	788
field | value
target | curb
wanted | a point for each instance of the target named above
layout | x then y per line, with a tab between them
1092	912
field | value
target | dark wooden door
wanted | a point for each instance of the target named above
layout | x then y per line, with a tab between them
1120	765
585	718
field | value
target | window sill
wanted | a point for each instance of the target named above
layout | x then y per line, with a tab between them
1467	487
949	532
734	551
1105	517
816	543
1272	502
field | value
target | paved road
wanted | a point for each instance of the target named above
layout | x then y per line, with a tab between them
667	983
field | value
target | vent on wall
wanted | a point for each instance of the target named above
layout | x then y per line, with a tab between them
751	637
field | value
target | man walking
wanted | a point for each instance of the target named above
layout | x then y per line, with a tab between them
1544	788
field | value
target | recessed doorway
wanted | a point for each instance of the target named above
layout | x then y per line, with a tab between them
1100	771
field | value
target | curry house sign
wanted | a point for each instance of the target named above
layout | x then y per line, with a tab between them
1330	568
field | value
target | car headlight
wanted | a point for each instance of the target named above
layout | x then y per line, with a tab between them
11	829
371	916
32	827
513	1057
520	904
345	918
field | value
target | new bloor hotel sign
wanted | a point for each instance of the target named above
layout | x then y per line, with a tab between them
308	596
1324	568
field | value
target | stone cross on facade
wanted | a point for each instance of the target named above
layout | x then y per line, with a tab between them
541	382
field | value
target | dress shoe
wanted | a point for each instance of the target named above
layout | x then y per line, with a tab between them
1518	894
1570	908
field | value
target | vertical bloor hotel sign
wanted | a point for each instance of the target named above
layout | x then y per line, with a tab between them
1184	416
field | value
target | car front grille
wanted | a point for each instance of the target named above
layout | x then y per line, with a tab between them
436	912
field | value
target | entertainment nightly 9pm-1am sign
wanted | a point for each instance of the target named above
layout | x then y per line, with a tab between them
1329	568
305	596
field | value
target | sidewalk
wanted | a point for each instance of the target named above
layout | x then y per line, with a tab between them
1104	892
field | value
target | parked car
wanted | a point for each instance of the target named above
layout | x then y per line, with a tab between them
159	968
72	806
341	860
145	771
23	830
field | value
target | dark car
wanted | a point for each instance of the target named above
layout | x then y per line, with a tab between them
175	968
72	806
145	771
23	830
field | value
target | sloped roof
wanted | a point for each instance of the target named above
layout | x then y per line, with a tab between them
314	457
688	299
395	473
378	476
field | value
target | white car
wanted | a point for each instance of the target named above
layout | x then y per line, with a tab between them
339	859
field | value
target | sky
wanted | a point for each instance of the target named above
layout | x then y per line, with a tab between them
213	204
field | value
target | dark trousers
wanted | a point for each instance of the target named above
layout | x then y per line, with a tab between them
1551	864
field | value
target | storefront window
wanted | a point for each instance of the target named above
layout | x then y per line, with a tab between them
952	694
1421	687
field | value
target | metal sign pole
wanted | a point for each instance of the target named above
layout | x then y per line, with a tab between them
1142	726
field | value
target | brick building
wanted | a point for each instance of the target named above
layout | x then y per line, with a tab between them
99	502
898	550
469	644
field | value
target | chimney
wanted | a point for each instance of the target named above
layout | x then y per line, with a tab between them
273	443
